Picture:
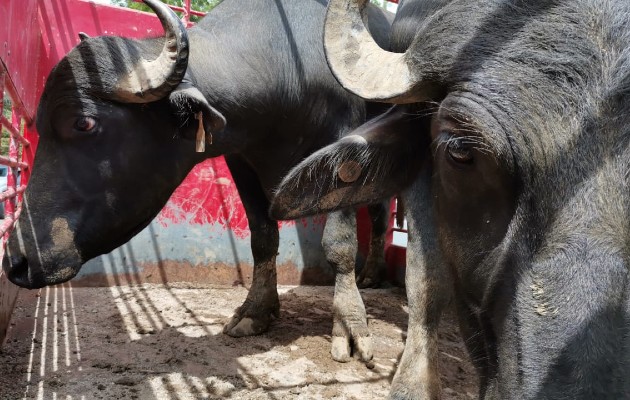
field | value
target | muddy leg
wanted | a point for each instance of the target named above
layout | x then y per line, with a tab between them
350	329
428	293
261	304
373	273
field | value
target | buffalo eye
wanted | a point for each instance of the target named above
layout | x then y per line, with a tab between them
85	124
460	151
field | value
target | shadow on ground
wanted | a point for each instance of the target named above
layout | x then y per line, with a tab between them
165	342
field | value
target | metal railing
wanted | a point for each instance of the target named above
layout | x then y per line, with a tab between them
12	196
186	11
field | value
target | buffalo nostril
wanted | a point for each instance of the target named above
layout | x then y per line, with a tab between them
12	262
16	268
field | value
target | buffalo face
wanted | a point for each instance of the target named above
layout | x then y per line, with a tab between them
108	156
526	110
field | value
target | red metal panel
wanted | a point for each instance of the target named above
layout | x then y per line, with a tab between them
395	255
19	51
62	20
207	195
19	40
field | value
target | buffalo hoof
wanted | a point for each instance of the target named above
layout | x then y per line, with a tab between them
406	394
343	348
372	275
350	333
252	318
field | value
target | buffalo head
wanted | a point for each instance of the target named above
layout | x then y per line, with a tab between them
520	113
108	156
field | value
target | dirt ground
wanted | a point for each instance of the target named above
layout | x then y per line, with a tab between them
157	342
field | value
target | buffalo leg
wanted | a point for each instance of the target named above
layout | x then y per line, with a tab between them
373	273
349	320
428	293
261	304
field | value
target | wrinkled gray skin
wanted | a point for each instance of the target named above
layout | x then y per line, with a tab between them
259	65
514	157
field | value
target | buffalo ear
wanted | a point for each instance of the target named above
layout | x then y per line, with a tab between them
374	162
187	102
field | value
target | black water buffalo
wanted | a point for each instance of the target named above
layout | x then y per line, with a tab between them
510	139
118	123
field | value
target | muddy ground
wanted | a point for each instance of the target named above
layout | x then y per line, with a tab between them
157	342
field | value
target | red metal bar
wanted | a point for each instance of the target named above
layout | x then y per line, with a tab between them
12	162
186	17
19	63
12	192
14	132
186	11
18	116
182	9
16	101
10	204
395	255
7	225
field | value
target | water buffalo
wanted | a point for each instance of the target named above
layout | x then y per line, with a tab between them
510	140
118	122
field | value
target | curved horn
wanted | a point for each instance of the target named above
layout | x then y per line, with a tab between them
151	80
357	62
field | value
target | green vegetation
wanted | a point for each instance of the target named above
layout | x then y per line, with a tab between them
380	3
198	5
6	107
4	138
